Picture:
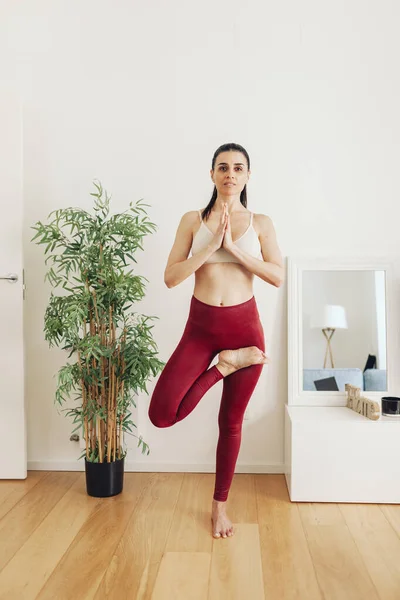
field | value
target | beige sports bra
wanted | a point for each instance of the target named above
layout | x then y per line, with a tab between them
248	242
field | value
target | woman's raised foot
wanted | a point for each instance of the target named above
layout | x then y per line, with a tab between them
230	361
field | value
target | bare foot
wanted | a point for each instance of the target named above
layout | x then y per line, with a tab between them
221	524
230	361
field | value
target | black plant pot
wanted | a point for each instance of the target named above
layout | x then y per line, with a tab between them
104	479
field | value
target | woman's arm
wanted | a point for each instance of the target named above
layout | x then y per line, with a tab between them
271	269
179	267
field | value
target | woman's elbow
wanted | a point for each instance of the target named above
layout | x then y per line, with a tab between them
280	280
168	281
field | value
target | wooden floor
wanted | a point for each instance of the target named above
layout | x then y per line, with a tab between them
154	541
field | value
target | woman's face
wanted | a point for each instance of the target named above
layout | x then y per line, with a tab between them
230	167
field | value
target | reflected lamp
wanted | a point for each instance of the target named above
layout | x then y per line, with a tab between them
328	319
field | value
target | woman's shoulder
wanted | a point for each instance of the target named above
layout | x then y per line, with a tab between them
262	217
190	222
263	223
190	216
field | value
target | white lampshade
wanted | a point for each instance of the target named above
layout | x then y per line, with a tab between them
330	315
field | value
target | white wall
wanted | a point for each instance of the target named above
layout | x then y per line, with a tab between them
140	95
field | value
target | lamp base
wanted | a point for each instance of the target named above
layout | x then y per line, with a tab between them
328	333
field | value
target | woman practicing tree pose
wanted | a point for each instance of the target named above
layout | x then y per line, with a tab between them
227	252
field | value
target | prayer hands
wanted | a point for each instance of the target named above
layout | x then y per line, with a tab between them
227	241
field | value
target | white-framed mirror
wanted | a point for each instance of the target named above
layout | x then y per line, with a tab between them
340	329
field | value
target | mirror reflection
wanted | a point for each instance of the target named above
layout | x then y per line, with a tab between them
344	330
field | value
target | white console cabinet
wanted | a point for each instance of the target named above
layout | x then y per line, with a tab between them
333	454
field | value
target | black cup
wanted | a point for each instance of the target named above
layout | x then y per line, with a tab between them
391	406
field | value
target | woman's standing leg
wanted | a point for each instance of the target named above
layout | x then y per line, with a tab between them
237	391
245	330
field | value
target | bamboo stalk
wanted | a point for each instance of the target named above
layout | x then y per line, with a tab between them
96	400
95	310
84	399
102	385
115	404
117	390
103	391
112	412
86	437
122	390
115	435
113	401
91	433
95	386
109	429
90	387
84	405
109	382
120	426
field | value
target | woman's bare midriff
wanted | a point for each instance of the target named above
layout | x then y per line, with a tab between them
223	284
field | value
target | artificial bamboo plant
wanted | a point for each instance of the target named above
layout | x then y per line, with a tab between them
113	346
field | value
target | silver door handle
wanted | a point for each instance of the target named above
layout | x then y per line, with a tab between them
11	277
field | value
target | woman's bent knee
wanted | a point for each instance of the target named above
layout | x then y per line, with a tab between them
158	420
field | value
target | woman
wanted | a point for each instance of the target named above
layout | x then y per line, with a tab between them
227	252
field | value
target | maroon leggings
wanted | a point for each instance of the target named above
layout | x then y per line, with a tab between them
186	377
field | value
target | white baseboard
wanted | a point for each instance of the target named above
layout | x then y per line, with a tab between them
147	467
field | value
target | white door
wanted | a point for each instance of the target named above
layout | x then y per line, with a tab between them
13	451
